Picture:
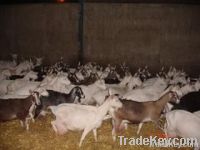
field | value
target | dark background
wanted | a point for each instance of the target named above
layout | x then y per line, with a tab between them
153	33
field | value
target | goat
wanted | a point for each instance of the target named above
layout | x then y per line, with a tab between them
197	113
90	90
189	102
128	83
55	98
21	109
184	124
19	83
120	88
31	85
148	92
23	66
55	82
140	112
184	90
82	117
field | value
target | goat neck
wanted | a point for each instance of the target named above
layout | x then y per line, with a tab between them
163	101
103	109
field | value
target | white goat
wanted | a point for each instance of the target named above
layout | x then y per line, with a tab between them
58	82
29	86
82	117
185	90
197	113
127	84
20	83
4	86
184	124
90	90
23	66
147	93
197	85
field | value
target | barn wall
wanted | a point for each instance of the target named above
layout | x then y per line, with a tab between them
48	30
138	34
143	34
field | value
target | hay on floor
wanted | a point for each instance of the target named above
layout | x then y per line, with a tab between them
42	137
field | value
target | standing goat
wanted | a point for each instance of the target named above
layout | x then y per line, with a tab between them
21	109
82	117
140	112
55	98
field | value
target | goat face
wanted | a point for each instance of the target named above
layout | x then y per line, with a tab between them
174	98
114	101
79	93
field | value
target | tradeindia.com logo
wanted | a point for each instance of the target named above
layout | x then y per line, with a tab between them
155	141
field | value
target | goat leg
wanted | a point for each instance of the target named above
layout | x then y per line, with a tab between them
54	126
85	132
117	126
159	124
165	130
95	134
32	108
27	123
38	110
122	127
139	128
113	130
22	123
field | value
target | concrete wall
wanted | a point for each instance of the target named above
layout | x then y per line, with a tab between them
143	34
40	30
139	34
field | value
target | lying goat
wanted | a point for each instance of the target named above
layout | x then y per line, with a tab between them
21	109
82	117
55	98
140	112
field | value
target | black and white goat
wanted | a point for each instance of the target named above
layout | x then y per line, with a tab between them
55	98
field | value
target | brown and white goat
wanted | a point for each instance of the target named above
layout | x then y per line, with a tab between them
21	109
140	112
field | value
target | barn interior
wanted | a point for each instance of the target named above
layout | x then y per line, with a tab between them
154	36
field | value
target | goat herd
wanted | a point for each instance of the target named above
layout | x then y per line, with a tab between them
82	98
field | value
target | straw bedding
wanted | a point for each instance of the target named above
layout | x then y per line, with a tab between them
42	137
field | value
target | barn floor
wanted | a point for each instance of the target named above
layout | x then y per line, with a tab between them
42	137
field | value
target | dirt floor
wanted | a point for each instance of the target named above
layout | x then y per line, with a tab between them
42	137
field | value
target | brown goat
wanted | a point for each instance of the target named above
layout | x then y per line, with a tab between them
140	112
21	109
